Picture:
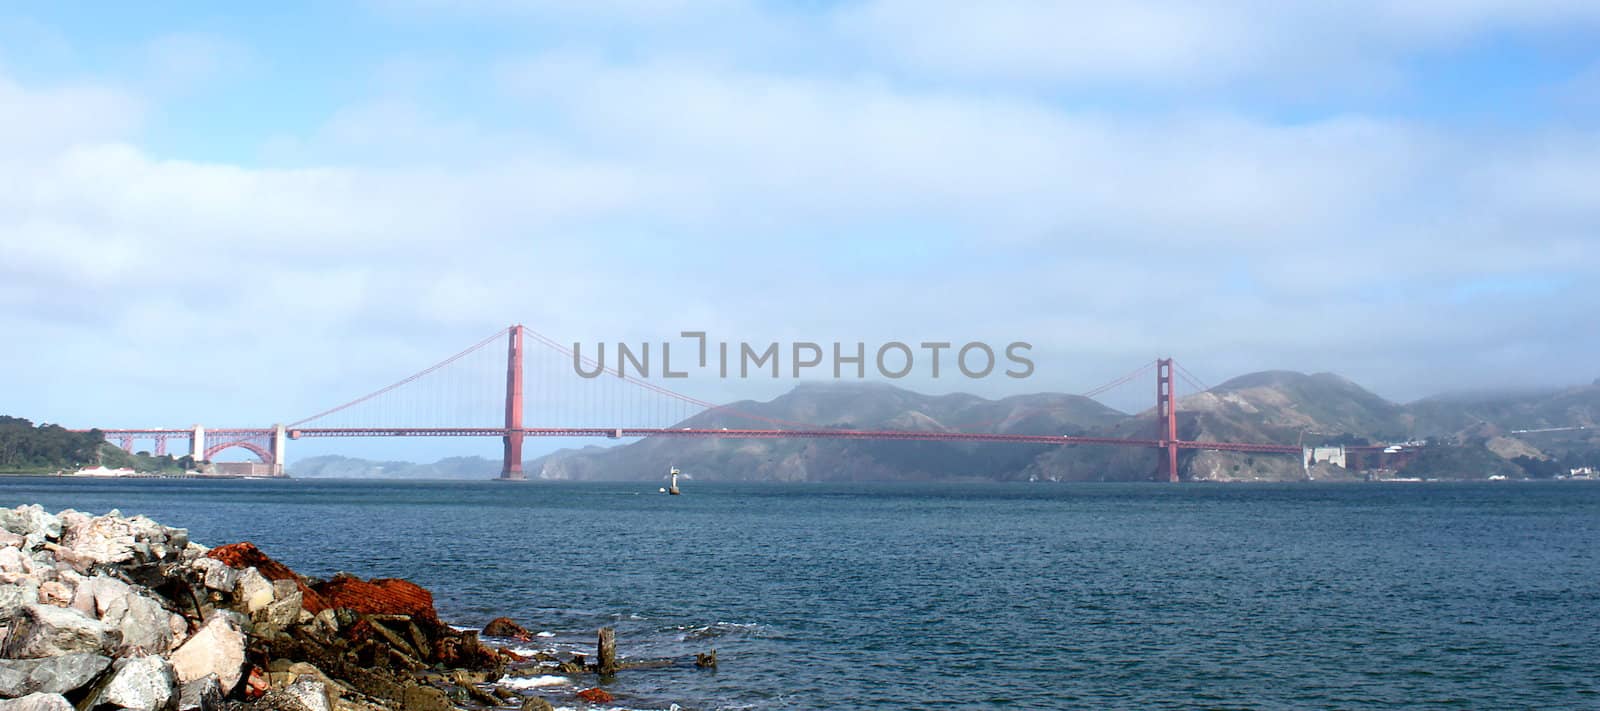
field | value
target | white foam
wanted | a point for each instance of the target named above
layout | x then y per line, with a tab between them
545	634
534	682
527	651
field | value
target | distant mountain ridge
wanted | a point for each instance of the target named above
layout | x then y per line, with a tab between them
1281	407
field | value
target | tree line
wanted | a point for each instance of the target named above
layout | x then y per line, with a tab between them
24	445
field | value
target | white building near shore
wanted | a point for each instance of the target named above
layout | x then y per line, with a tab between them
104	472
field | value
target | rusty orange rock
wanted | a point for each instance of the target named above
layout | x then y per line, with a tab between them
505	627
361	631
596	696
256	683
379	596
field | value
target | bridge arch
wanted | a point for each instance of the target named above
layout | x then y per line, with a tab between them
262	453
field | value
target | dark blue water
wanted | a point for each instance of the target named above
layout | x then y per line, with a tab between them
931	596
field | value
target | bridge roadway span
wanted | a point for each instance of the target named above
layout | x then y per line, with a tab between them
901	435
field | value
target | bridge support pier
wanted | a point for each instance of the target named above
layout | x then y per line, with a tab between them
280	441
197	444
511	463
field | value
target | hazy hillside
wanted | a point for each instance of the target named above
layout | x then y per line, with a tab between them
336	467
1280	407
1454	413
1286	408
845	406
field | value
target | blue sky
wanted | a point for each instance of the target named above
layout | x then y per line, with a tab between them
231	213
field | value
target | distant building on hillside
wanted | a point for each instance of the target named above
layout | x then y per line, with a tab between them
1324	455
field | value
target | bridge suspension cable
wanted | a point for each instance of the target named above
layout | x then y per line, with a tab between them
497	335
1193	380
1141	370
589	362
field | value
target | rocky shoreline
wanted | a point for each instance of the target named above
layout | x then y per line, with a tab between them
114	612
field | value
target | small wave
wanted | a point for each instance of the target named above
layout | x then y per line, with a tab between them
529	651
719	629
534	682
545	634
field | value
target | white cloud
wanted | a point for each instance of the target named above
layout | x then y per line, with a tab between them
630	199
1015	172
37	122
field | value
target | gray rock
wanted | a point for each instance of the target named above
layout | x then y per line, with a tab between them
326	622
253	592
15	562
138	683
48	631
98	593
216	574
114	540
55	592
536	703
25	520
281	700
37	702
14	680
52	675
278	614
15	597
284	588
311	693
146	626
420	697
217	649
203	694
72	521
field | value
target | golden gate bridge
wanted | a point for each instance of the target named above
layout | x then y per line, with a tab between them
616	405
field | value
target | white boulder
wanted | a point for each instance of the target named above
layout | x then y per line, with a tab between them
254	591
138	683
216	649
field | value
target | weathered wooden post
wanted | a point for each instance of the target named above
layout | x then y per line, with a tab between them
706	661
607	651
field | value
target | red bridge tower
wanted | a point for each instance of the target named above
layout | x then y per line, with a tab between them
1166	422
511	466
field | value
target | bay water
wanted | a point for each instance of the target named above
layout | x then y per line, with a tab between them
971	595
